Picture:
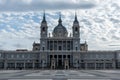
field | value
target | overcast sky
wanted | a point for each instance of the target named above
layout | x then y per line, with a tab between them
99	20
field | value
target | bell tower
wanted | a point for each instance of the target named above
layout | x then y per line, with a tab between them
76	34
76	28
44	27
43	34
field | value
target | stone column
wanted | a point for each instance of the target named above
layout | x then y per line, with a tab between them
33	64
57	60
5	64
15	64
86	65
95	65
49	45
104	64
24	65
70	44
62	59
57	45
62	45
113	64
53	45
66	45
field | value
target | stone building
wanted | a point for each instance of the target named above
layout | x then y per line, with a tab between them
59	51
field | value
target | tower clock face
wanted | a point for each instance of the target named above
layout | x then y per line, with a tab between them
76	32
43	32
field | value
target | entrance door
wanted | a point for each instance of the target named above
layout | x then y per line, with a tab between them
60	66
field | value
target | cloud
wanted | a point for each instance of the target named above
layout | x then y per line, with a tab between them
36	5
99	25
18	45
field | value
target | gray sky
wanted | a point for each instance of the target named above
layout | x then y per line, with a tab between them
99	21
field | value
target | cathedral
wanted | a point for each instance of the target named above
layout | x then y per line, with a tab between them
59	51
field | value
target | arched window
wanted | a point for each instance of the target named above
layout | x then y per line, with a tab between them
43	29
76	29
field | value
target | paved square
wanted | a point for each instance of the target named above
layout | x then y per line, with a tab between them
59	75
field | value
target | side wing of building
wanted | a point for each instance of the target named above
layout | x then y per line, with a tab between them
80	60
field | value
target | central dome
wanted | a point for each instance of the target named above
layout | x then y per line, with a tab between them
60	30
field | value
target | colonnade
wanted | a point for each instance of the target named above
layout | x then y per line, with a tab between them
60	45
59	61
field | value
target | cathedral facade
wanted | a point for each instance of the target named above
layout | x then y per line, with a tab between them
59	51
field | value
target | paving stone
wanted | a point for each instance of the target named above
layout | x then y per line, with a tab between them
59	75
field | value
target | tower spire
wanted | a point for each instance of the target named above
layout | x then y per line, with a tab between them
44	19
59	21
75	17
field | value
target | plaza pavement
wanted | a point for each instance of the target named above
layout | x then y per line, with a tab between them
59	74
